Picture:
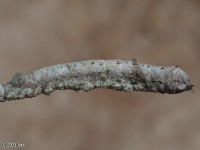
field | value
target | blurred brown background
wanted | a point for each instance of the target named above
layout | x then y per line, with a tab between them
38	33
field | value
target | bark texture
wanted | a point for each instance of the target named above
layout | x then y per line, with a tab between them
122	75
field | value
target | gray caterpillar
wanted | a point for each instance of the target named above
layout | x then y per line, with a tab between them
122	75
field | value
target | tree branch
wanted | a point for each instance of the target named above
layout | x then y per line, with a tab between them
123	75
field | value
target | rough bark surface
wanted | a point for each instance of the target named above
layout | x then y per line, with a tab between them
123	75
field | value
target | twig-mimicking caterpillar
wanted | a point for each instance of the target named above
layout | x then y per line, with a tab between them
123	75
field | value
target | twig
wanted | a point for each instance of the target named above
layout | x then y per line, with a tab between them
123	75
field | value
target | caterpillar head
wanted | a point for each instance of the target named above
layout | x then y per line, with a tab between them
180	81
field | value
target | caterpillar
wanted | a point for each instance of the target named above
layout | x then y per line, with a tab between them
120	75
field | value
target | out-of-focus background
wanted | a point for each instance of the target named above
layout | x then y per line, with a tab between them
39	33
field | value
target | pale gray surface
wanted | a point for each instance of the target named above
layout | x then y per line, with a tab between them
34	34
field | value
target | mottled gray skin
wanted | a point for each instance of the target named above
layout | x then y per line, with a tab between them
128	75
